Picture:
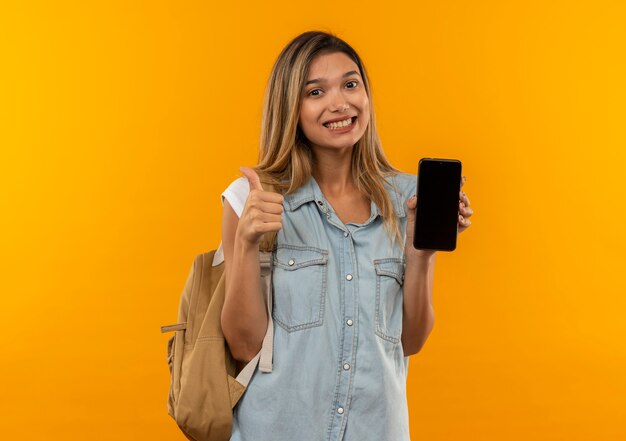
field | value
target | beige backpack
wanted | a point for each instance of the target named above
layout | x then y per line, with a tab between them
204	383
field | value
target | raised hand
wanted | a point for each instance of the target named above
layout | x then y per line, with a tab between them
464	210
463	222
262	212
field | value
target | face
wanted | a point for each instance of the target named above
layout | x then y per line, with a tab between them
334	110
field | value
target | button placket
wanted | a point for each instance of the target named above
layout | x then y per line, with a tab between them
348	348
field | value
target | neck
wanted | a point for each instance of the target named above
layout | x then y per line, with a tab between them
333	171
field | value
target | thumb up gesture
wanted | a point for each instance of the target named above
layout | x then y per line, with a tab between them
262	212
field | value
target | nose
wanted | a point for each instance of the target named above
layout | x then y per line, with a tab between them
339	103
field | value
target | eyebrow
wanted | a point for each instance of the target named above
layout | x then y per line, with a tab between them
321	80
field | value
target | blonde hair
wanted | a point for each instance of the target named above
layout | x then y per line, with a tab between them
285	158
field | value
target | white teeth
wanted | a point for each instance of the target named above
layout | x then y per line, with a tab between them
339	124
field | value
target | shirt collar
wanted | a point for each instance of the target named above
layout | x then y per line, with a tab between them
310	191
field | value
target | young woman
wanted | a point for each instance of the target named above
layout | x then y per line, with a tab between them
352	297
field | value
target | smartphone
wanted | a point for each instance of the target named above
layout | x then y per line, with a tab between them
437	212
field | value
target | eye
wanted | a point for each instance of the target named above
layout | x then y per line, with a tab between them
314	92
354	82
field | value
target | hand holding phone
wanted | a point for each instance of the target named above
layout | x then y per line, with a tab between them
437	211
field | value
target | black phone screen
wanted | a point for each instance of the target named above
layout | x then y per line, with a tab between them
437	213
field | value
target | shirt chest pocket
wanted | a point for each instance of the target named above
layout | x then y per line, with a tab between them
389	281
299	286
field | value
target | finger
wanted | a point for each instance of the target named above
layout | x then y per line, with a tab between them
253	178
412	202
268	217
465	211
466	200
267	227
270	197
463	198
463	179
271	207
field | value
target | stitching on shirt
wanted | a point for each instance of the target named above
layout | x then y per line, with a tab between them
395	271
355	340
300	264
293	205
382	333
324	275
396	197
333	405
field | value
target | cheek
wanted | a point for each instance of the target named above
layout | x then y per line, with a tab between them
365	109
306	124
308	118
304	120
366	104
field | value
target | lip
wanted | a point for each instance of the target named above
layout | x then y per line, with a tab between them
341	118
343	129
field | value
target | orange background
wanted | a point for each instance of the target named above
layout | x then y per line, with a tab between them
122	122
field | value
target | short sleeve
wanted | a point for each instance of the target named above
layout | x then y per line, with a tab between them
411	186
236	194
407	186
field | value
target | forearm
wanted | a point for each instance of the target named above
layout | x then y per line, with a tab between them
244	316
418	313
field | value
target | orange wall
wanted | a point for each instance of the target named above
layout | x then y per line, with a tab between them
121	123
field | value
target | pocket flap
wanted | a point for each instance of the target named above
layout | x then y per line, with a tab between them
392	267
292	257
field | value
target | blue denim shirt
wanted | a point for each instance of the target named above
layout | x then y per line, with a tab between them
339	368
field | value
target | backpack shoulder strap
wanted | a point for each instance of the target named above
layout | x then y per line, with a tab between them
264	357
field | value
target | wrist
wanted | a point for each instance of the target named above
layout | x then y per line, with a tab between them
245	246
420	256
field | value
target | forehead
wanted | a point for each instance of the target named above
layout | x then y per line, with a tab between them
331	65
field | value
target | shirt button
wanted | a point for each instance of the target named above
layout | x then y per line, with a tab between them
291	262
346	367
349	277
340	410
346	234
349	322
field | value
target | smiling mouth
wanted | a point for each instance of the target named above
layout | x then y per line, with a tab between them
340	124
